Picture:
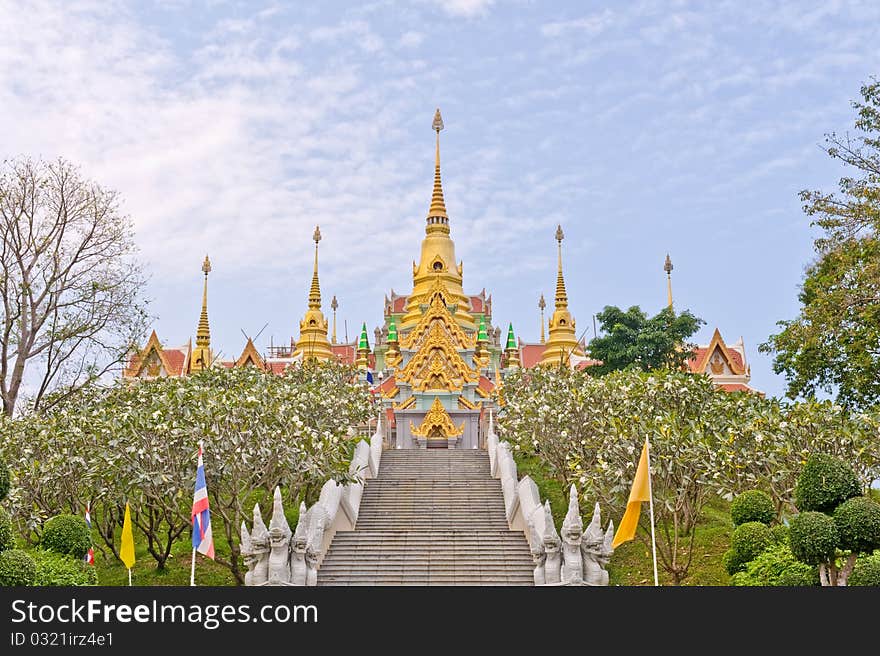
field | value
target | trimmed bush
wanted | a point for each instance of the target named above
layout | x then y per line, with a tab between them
776	566
17	568
779	534
824	484
813	537
61	569
748	541
67	534
4	480
858	524
752	506
866	571
7	531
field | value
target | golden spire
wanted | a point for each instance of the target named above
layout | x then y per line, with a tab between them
541	305
561	297
437	212
667	267
201	357
315	291
333	306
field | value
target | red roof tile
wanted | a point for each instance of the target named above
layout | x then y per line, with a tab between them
736	387
476	304
700	352
387	385
530	354
485	384
587	363
345	353
175	358
277	367
399	304
389	414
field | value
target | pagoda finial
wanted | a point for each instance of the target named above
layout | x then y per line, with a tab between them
334	305
541	305
561	297
363	349
437	213
667	267
201	357
512	349
315	291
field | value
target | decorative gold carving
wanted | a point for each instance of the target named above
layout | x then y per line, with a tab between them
403	405
464	403
437	312
717	345
250	356
437	424
437	364
482	392
717	364
390	394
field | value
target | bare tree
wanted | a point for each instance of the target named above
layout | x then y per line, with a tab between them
69	281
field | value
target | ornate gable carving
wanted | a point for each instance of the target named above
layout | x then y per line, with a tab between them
717	356
437	365
437	424
250	355
437	314
150	361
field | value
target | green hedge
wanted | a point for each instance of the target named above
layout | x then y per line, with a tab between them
866	571
7	531
17	568
61	569
752	506
825	482
748	541
68	534
776	566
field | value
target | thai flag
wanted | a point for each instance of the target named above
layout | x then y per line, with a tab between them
90	554
202	540
370	377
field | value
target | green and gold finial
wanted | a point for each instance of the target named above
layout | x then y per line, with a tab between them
334	305
482	336
511	351
392	330
511	338
363	342
541	305
363	349
561	296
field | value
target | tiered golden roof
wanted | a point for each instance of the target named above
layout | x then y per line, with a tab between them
202	356
437	424
563	342
313	342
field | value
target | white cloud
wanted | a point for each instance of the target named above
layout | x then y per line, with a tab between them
588	25
411	39
465	8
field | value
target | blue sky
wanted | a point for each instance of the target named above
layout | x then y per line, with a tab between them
232	128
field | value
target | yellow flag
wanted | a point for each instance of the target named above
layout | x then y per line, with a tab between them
641	491
126	552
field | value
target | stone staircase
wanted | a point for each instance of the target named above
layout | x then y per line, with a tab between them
431	517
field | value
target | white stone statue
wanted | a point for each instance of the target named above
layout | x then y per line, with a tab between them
298	569
596	549
536	548
572	566
259	547
552	546
318	522
279	544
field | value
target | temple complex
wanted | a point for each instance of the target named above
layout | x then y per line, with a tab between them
437	362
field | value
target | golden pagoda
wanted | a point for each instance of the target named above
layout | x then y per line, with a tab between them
437	261
202	357
563	342
313	342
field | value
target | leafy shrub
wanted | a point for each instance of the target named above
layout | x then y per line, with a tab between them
752	506
825	482
4	480
7	531
813	537
61	569
748	541
866	571
67	534
17	568
779	534
858	524
776	566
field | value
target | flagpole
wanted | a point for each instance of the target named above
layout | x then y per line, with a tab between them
192	570
651	505
129	577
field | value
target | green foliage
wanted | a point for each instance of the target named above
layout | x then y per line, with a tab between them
813	537
779	534
776	566
17	568
866	571
834	343
824	483
67	534
7	531
858	524
62	569
4	479
752	506
748	541
631	340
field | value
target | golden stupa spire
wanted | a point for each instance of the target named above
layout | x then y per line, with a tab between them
334	305
315	291
563	342
667	267
541	305
201	357
313	342
561	297
437	212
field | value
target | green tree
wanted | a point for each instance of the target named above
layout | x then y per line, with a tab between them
632	340
833	345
